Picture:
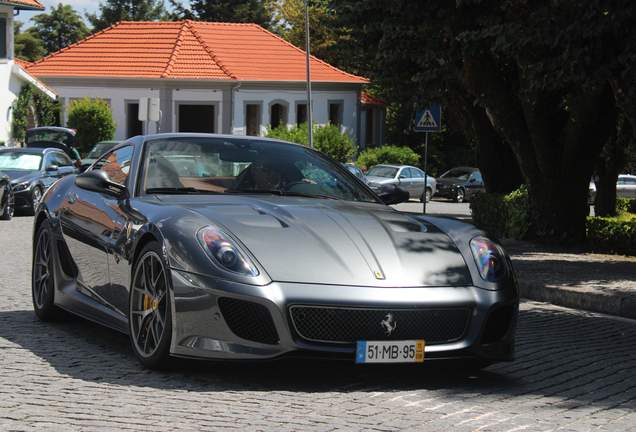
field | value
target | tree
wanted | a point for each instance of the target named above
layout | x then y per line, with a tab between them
114	11
26	46
288	17
232	11
543	83
59	29
93	120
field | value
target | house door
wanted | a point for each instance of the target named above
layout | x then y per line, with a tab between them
196	118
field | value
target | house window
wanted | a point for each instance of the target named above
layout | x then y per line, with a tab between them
301	113
252	119
335	113
278	115
196	118
134	127
3	37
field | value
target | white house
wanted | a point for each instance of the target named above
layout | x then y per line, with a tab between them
208	77
12	76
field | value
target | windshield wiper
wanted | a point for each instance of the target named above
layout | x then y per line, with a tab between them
258	191
311	195
177	190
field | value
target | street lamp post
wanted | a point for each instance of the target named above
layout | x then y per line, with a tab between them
310	140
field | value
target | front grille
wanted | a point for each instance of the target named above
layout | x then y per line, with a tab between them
340	325
249	320
498	324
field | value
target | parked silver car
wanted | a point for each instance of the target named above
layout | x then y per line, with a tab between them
409	177
625	187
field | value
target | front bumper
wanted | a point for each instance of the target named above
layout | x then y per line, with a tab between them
219	319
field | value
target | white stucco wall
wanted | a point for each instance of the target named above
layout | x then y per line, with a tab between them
7	87
220	97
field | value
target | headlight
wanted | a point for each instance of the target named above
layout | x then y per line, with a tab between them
21	186
222	250
489	258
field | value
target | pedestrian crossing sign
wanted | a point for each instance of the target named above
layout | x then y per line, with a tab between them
429	120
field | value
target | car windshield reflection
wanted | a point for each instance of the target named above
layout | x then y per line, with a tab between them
225	166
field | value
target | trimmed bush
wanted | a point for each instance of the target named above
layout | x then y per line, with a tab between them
328	139
614	235
93	120
490	213
388	155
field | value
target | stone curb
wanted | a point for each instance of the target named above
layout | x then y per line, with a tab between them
584	299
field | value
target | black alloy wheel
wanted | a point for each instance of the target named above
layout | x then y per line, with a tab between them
150	317
9	208
37	197
43	276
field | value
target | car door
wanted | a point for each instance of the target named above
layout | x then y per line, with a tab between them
475	184
90	226
417	179
405	180
626	187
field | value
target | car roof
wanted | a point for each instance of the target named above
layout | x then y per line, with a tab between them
34	150
394	166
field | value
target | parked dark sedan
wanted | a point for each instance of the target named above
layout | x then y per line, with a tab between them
7	200
32	171
460	183
98	149
274	250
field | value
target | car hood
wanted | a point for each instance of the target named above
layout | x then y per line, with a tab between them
341	243
21	176
449	181
377	179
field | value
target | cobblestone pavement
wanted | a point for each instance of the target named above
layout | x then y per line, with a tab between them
575	371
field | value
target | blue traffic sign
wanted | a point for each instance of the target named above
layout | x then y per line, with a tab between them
429	120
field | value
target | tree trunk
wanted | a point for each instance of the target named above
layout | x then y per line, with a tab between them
555	149
493	156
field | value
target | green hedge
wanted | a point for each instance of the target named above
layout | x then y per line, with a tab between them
511	216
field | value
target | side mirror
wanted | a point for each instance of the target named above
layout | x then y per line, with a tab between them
393	194
52	168
472	180
99	181
402	176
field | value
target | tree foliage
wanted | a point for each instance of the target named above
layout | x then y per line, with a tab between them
288	17
25	45
93	120
328	139
47	111
542	80
232	11
114	11
58	29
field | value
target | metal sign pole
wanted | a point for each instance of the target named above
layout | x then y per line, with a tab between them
425	171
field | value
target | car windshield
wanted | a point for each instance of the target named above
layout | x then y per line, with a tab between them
99	149
382	171
49	135
245	166
456	174
11	161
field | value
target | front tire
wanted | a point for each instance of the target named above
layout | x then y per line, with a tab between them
150	310
460	195
9	208
36	198
43	276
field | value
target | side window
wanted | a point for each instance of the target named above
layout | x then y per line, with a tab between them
406	172
49	160
477	176
415	173
116	163
62	160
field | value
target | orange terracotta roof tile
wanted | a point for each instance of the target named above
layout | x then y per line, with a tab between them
24	4
367	99
22	63
187	50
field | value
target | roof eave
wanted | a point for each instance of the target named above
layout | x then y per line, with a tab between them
19	6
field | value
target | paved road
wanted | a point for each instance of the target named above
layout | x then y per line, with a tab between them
575	371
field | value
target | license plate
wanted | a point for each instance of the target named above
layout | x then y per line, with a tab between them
390	352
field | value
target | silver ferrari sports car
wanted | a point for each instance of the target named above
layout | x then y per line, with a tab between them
243	248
